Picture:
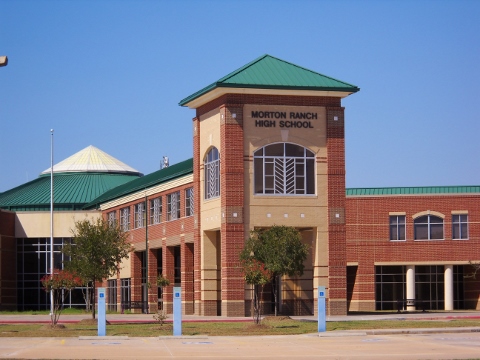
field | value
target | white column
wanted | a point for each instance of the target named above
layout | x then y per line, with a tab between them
410	284
448	287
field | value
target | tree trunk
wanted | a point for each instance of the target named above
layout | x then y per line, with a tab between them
92	302
275	293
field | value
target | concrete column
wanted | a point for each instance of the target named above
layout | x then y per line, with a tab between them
410	285
448	287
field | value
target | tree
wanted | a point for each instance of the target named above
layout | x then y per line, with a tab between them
96	251
59	282
257	275
280	249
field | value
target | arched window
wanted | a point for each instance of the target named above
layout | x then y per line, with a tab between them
284	169
428	227
212	174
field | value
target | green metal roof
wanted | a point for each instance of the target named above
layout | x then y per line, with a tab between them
419	190
160	176
268	72
71	191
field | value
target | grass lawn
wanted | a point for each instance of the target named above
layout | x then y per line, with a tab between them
280	326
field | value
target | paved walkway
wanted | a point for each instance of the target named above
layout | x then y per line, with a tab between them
113	318
371	347
439	343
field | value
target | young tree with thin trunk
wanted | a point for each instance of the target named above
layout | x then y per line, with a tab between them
60	282
280	249
256	275
96	251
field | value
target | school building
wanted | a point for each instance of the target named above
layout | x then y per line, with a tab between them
268	149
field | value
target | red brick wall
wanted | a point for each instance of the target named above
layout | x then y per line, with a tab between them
337	285
171	230
368	236
232	201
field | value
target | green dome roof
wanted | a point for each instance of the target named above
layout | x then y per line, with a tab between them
77	181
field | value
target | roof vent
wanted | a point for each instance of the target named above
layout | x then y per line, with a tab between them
165	162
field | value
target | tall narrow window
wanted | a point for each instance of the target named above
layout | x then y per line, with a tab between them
112	218
156	211
125	218
139	215
460	226
173	206
189	202
397	227
284	169
212	174
428	227
125	292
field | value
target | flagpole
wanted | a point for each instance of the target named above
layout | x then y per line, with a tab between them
51	217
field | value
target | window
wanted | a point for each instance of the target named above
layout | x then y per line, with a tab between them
112	295
390	285
428	227
397	227
125	219
112	218
460	226
189	202
212	174
156	211
139	215
284	169
125	292
173	206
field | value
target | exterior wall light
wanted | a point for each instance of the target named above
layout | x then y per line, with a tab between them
3	61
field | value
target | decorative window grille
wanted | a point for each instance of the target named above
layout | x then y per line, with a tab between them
284	169
173	206
189	202
112	218
428	227
139	215
156	211
125	219
212	174
460	226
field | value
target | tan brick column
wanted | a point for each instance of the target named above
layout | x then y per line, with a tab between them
197	166
136	279
152	279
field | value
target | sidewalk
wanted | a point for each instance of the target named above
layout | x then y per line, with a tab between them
145	318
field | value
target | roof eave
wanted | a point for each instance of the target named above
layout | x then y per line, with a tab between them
194	102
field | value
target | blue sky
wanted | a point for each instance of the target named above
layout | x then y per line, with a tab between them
111	74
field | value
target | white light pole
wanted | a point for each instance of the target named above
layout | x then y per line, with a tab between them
51	217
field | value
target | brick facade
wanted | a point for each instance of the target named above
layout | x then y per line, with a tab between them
368	240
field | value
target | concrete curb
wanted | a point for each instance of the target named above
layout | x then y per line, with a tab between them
339	333
103	338
183	337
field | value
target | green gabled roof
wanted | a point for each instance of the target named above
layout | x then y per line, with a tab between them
419	190
71	191
160	176
268	72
